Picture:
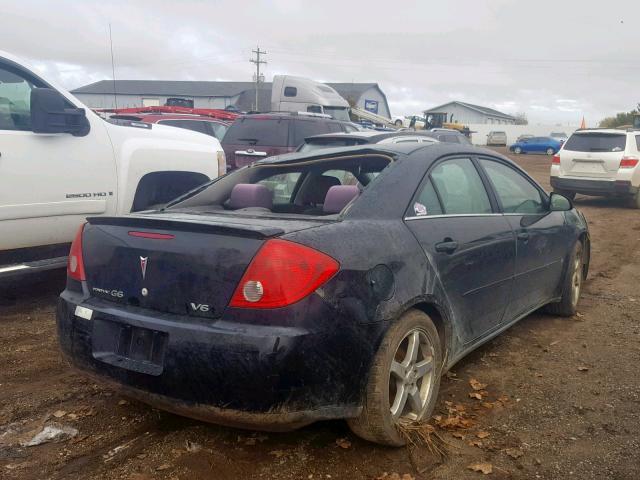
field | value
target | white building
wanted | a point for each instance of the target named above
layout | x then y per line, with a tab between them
205	94
467	113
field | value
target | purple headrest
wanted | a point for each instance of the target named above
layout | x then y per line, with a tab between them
338	197
245	195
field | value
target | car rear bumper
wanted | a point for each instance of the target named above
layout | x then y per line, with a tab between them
593	187
247	376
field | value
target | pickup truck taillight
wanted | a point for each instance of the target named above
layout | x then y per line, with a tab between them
282	273
75	263
629	162
555	160
222	163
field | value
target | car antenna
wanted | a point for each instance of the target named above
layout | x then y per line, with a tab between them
113	69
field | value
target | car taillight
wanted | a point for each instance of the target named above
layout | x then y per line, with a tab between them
222	163
629	162
555	160
75	263
282	273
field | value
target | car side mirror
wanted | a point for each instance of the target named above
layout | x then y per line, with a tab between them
559	203
50	113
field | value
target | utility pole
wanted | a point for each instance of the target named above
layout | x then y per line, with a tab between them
258	62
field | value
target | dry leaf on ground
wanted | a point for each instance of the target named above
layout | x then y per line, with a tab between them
482	434
583	369
514	452
485	468
343	443
476	385
395	476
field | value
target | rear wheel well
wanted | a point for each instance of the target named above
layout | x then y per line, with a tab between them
440	323
160	187
586	245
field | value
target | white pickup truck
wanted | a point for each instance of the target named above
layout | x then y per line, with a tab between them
60	162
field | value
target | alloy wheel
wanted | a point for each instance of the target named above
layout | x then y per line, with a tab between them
411	378
576	279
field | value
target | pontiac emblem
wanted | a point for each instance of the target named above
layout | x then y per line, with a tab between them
143	266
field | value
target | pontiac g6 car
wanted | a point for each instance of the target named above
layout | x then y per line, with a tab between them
346	297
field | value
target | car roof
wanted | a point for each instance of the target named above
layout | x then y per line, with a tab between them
372	136
402	150
602	130
289	115
156	117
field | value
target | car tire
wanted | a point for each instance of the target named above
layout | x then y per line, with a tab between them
566	193
517	150
551	151
395	368
398	123
571	285
635	200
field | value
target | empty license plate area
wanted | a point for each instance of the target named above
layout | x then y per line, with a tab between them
134	348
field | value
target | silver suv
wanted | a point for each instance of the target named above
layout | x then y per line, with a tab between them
599	162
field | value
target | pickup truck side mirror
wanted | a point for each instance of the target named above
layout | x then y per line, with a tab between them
559	203
50	113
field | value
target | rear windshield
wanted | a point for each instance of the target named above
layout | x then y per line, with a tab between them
267	132
596	142
319	188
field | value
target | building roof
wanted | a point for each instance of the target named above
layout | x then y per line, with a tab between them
478	108
190	88
187	88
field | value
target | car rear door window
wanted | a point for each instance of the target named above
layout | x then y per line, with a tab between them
515	192
638	141
596	142
426	202
460	188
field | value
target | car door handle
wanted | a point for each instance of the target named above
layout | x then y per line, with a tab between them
448	246
524	236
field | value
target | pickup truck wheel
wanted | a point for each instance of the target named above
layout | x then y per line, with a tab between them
403	381
571	285
398	123
157	188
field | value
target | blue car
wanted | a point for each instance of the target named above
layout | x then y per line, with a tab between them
385	265
547	145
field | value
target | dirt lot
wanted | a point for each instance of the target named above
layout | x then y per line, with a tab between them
562	397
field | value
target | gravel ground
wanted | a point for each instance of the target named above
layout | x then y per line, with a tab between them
561	399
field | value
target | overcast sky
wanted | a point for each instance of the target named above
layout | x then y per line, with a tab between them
554	60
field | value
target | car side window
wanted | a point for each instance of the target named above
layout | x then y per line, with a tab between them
515	192
426	202
15	101
460	187
282	186
195	125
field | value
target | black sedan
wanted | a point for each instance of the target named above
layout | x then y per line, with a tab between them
252	303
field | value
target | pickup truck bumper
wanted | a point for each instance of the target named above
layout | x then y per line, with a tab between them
593	187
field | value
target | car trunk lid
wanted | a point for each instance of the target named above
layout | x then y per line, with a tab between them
593	154
178	263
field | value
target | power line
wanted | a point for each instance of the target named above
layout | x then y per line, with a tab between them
258	62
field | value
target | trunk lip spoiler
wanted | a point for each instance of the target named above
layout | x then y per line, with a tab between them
155	223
